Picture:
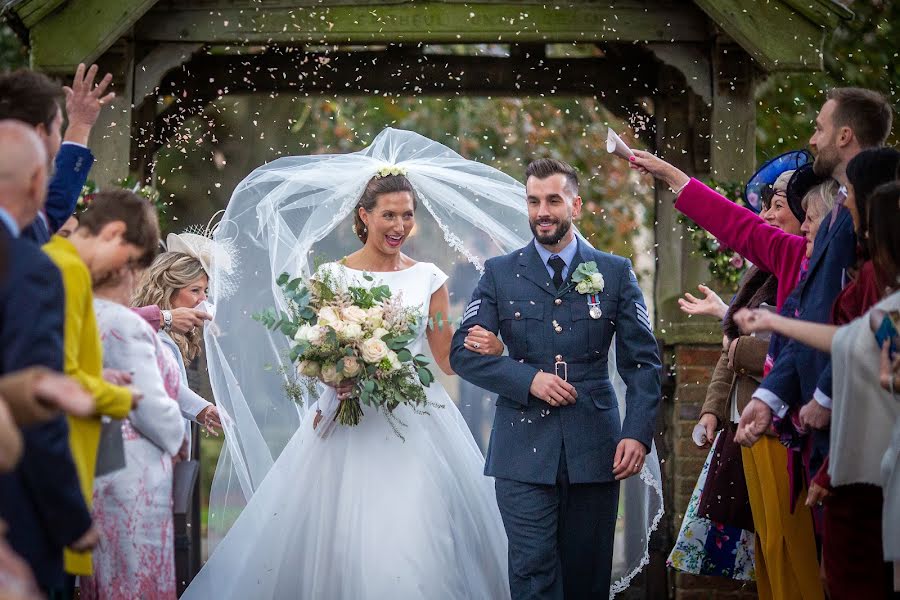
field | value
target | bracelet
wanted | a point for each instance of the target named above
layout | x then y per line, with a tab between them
167	320
681	189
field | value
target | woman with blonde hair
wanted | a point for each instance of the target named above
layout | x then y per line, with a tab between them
179	279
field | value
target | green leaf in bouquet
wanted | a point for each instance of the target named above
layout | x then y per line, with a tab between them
293	284
288	328
368	385
283	279
307	314
425	376
368	277
295	353
421	360
331	336
404	355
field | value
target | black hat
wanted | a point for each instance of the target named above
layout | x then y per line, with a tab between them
803	180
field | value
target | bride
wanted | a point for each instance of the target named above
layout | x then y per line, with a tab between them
312	509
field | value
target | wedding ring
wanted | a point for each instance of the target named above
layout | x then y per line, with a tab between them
476	345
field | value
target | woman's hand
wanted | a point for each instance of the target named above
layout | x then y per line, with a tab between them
816	494
711	304
210	419
482	341
756	320
669	174
709	422
343	389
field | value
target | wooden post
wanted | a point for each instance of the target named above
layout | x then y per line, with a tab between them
111	137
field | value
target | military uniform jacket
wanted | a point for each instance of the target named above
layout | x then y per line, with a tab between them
542	326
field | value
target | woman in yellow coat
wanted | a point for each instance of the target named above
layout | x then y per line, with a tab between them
118	231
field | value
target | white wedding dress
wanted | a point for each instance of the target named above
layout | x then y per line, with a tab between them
362	514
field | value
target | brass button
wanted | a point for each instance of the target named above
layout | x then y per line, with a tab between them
558	301
518	315
559	358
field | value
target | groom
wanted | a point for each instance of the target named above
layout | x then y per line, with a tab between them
557	450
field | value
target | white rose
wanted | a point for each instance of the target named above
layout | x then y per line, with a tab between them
354	314
315	335
393	360
380	333
597	281
327	317
308	368
329	374
374	350
351	367
352	331
584	287
303	333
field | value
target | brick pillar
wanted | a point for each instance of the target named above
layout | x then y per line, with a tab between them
693	367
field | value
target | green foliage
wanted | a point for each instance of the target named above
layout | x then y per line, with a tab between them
861	52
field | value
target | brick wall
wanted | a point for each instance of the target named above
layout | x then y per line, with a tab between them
692	367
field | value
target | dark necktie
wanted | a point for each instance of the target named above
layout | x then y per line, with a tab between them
558	265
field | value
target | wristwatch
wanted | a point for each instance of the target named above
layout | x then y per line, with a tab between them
167	320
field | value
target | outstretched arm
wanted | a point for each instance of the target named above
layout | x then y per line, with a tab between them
814	335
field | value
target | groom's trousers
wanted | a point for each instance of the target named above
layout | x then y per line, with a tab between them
560	537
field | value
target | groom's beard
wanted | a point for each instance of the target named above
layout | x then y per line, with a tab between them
551	239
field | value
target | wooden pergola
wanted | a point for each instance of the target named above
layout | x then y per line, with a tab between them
688	68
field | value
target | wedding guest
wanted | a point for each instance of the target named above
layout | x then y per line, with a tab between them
40	500
863	417
179	280
133	506
119	229
33	98
786	556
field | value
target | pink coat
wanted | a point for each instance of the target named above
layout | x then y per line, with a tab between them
740	229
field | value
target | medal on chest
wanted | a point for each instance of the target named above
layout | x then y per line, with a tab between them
593	301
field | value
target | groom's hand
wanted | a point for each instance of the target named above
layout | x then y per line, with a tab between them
629	458
553	390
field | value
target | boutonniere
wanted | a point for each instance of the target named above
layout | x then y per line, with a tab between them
588	279
589	282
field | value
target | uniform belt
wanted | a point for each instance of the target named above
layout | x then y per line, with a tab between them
576	371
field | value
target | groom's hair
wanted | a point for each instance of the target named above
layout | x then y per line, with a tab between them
543	168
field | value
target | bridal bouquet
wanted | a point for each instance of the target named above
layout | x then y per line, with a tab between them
341	332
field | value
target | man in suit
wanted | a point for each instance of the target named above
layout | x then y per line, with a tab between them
40	500
851	120
33	98
557	449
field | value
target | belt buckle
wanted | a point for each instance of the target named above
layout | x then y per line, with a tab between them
565	367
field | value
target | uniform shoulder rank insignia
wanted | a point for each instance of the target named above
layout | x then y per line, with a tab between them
472	309
643	316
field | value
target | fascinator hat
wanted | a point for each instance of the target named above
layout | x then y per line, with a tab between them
216	256
759	187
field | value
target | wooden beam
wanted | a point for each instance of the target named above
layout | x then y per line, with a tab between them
778	37
206	77
32	11
82	31
429	21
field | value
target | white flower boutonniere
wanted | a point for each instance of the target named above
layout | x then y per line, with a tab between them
588	280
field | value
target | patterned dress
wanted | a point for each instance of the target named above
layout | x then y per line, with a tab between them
133	506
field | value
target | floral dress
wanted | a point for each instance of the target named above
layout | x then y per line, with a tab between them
133	506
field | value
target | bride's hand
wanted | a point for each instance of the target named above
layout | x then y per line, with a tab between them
482	341
344	388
